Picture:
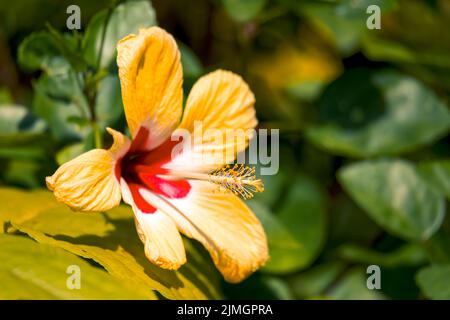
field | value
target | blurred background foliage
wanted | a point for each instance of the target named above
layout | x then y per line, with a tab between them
364	152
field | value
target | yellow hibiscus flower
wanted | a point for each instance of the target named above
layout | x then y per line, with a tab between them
172	195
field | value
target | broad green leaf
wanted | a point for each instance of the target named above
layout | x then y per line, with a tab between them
109	107
21	136
296	232
22	172
38	51
358	9
343	32
407	255
274	184
353	286
313	282
438	247
16	118
125	19
30	270
394	196
19	206
284	249
380	113
395	43
5	96
243	10
70	152
110	239
434	281
437	174
58	99
192	66
342	22
345	214
50	52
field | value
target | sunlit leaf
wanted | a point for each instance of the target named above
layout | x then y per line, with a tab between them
30	270
110	239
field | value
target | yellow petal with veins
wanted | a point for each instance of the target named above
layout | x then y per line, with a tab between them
88	182
221	103
223	223
162	241
151	79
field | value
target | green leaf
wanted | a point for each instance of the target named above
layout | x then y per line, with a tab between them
313	282
38	52
109	239
438	247
358	9
286	252
395	43
407	255
68	46
125	19
37	271
437	174
275	184
17	119
353	286
22	172
18	206
5	96
380	113
243	11
434	281
394	196
50	52
109	106
70	152
57	99
192	66
345	214
296	232
343	32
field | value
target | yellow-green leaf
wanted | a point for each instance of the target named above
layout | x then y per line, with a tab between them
30	270
110	239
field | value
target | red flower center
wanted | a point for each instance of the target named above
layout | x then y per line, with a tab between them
141	169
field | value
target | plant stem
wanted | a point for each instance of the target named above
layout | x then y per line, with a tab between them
97	135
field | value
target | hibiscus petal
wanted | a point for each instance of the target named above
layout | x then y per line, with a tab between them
223	102
162	241
151	79
88	182
222	222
